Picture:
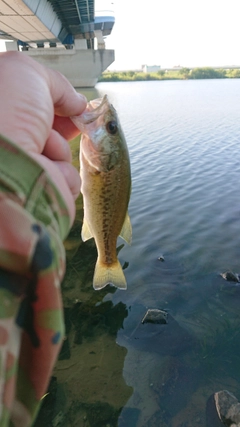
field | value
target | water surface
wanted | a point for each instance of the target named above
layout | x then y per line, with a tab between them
183	139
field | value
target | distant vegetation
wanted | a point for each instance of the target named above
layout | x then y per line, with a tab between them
183	74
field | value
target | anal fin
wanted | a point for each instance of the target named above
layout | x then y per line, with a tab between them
126	232
86	232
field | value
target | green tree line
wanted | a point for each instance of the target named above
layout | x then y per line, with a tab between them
183	73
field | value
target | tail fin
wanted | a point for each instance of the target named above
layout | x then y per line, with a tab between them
109	275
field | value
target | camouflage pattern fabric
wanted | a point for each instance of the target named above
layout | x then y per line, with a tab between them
33	222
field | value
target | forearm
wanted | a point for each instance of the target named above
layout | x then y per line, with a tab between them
33	222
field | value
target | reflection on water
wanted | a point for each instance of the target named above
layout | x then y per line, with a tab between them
113	370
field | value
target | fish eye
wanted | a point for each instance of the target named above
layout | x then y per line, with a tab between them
112	127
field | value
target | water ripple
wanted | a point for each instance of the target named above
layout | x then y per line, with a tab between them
183	139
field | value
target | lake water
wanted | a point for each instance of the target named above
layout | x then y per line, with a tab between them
183	139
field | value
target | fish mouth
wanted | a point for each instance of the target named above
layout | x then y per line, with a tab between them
93	111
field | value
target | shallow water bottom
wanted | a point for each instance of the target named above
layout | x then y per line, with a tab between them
113	371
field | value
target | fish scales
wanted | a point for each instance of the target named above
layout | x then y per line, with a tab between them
106	183
103	209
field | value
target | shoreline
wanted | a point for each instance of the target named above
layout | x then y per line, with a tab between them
182	74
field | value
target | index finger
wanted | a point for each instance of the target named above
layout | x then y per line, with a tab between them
67	102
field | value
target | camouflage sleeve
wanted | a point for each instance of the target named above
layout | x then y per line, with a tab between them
33	222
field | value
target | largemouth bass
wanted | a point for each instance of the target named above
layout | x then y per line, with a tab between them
106	186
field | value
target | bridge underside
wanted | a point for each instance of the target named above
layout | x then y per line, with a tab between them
41	21
42	28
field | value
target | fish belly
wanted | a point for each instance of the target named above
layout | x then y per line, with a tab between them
105	197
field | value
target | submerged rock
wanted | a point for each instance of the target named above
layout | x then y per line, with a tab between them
228	408
212	417
230	276
165	338
154	315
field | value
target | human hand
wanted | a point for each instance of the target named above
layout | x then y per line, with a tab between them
35	106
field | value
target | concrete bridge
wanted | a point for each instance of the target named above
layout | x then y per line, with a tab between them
66	35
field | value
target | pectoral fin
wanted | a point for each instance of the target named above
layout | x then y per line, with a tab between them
86	233
126	232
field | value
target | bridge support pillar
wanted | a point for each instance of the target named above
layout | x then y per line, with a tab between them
100	39
80	43
11	45
81	67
